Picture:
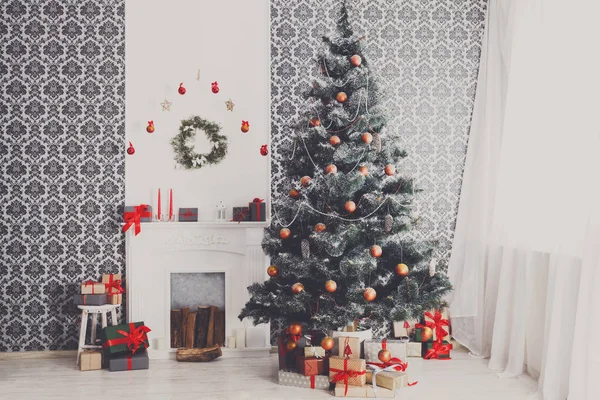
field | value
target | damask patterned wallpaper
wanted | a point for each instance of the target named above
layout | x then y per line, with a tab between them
425	54
62	74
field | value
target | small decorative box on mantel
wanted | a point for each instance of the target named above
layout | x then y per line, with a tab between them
130	209
188	214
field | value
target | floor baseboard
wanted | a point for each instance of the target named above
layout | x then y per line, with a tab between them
25	355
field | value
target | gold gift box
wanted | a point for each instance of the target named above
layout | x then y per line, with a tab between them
93	288
314	351
353	364
115	299
363	392
389	379
90	360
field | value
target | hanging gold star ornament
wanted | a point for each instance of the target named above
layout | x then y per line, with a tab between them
166	105
229	105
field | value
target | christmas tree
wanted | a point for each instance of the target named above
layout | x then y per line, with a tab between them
339	242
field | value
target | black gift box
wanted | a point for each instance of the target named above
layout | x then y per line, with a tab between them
258	211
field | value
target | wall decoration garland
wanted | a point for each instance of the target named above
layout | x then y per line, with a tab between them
185	154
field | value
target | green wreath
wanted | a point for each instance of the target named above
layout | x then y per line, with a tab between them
186	156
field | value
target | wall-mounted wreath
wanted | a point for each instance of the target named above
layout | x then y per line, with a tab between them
185	154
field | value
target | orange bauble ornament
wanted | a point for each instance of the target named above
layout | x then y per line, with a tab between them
291	345
330	286
369	294
376	251
390	170
285	233
327	343
297	288
402	269
294	194
384	356
335	140
356	60
315	122
320	227
305	181
331	169
426	334
295	329
363	170
273	271
367	138
341	97
350	206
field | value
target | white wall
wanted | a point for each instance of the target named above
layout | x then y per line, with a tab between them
166	43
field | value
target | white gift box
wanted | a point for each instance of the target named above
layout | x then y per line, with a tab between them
401	331
361	335
396	347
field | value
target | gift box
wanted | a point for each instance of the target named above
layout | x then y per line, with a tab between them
258	210
90	360
241	214
404	328
419	336
91	287
438	321
188	215
114	288
311	337
90	299
314	351
146	216
365	392
129	362
414	349
115	299
361	335
388	379
349	371
396	347
124	338
436	350
287	378
287	358
308	366
348	347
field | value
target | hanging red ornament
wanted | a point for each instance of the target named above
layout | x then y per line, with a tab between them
285	233
264	150
294	194
376	251
295	329
331	169
315	122
273	271
215	87
330	286
390	170
335	140
356	60
320	227
363	170
305	181
350	206
297	288
150	127
245	126
341	97
367	138
369	294
402	269
130	149
181	89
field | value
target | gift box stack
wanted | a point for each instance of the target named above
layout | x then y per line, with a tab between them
256	211
429	338
125	347
107	291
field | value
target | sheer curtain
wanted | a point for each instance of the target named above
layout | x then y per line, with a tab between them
520	267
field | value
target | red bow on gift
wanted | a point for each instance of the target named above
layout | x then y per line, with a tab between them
438	350
438	324
114	287
189	213
134	218
136	337
345	374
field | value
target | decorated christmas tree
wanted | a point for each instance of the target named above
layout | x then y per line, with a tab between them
339	242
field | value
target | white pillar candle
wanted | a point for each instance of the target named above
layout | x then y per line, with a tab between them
231	342
240	338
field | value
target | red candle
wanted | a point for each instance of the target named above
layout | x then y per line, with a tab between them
170	204
158	214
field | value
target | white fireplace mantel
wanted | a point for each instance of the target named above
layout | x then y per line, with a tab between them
164	248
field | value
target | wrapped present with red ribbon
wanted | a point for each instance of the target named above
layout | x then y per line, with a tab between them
308	366
436	350
258	210
287	357
126	338
397	348
129	362
288	378
386	378
439	323
348	371
91	287
114	288
188	215
241	214
133	216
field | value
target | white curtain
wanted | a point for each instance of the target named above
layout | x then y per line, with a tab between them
522	272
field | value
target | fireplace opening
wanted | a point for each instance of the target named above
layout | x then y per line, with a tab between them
197	309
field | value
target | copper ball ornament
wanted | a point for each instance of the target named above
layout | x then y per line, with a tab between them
376	251
305	181
426	334
363	170
331	169
285	233
402	269
273	271
342	97
294	194
369	294
297	288
295	329
390	170
335	140
384	356
291	345
350	206
327	343
315	122
320	227
330	286
367	138
356	60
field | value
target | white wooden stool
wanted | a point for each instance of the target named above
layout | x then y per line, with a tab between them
94	311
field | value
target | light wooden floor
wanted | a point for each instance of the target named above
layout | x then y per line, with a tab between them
461	378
